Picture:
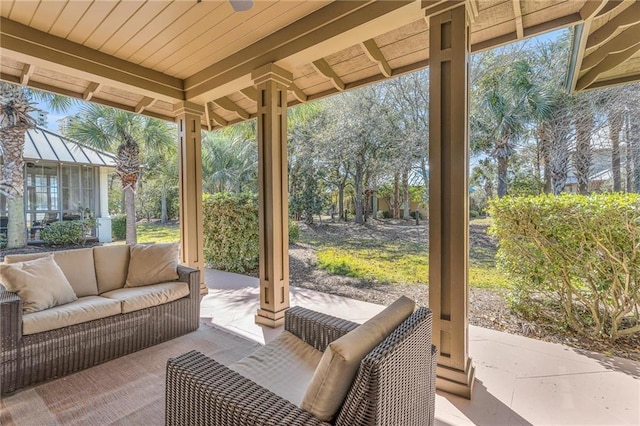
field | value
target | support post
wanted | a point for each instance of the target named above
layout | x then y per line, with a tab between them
103	218
190	181
448	196
271	83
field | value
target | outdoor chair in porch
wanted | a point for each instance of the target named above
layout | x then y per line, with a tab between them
305	378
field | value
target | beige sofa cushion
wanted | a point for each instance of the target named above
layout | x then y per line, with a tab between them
152	264
341	360
285	366
134	299
112	266
82	310
40	283
77	266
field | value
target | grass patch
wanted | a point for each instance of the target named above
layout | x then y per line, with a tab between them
394	264
155	233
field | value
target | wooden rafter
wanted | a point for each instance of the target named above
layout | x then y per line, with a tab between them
208	109
298	93
591	8
250	93
91	90
323	67
610	6
517	11
27	71
623	41
218	119
610	62
374	53
627	17
229	105
144	103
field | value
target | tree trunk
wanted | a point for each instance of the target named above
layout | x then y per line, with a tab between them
341	202
130	210
583	156
635	152
543	141
358	197
502	176
629	156
615	126
163	206
396	195
13	184
406	202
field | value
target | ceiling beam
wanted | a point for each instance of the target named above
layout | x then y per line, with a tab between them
70	94
323	67
91	90
27	71
374	53
625	18
591	8
144	103
229	105
611	5
337	26
31	46
298	93
623	41
216	117
250	93
517	11
610	62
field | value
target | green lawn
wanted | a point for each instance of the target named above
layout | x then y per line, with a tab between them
155	233
397	262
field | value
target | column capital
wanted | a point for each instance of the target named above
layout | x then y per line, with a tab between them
271	72
435	7
186	107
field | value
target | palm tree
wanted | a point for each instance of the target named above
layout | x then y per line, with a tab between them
125	133
15	105
230	159
508	102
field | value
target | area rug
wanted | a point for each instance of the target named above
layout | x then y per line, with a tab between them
126	391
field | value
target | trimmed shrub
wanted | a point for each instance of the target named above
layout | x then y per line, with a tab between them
119	227
574	260
294	231
231	232
63	233
231	241
473	214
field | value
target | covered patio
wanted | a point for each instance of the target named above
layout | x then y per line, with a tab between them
520	381
206	66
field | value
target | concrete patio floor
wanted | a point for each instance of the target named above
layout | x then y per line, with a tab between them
519	381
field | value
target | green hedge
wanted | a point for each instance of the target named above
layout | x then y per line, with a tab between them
231	240
64	233
574	260
119	227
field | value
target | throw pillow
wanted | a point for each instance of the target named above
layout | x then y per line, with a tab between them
340	362
40	283
152	264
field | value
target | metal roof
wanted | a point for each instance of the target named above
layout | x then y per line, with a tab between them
41	144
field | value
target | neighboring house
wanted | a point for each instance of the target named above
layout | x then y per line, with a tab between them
63	180
600	174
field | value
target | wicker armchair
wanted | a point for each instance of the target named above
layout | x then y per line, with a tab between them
394	386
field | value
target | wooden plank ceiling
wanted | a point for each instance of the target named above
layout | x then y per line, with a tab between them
145	56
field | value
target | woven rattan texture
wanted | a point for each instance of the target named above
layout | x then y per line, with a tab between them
31	359
394	386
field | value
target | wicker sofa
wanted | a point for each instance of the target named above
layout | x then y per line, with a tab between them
394	383
55	342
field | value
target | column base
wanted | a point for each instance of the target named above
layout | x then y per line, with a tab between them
270	319
454	381
203	289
